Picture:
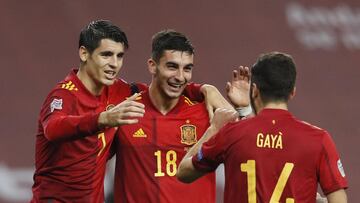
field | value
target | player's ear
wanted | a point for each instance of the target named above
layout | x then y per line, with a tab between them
292	93
151	66
83	54
255	91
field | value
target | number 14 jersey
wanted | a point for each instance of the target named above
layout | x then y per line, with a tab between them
273	157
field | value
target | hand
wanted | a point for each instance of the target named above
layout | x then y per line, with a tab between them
124	113
222	117
239	87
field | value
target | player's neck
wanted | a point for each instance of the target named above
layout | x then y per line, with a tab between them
162	103
94	88
274	105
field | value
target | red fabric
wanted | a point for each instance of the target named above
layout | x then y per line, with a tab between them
308	148
70	154
192	91
328	167
157	137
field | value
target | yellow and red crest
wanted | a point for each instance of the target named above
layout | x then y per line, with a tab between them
188	134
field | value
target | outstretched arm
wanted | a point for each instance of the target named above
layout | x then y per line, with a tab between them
59	125
125	112
186	172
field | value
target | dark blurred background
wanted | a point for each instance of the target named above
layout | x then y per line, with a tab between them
39	42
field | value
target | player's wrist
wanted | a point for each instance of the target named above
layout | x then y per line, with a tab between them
244	111
214	128
102	120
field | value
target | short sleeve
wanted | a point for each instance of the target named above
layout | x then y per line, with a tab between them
211	154
192	91
330	169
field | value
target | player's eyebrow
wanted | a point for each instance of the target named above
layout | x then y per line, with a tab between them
106	53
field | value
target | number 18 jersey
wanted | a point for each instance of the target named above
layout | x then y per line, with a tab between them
148	154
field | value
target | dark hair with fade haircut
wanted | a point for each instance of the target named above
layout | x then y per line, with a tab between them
169	40
274	74
92	34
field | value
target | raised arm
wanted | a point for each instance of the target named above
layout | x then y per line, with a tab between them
214	99
238	90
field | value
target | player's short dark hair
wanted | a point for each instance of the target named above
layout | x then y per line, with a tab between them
274	74
169	40
92	34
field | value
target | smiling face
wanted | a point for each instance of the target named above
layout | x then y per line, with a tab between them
172	73
101	67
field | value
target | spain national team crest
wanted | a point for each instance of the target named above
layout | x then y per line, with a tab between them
188	134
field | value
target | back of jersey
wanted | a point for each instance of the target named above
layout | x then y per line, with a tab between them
276	158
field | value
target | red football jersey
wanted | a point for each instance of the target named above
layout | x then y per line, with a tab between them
273	157
71	152
148	154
